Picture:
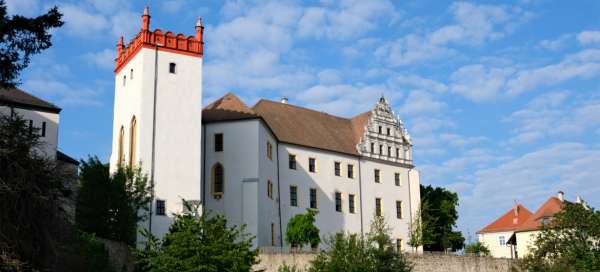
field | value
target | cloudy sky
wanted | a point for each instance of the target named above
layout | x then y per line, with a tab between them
502	100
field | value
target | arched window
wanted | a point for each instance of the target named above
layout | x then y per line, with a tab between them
132	142
121	158
218	180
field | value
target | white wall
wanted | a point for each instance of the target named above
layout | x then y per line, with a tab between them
525	240
492	242
49	143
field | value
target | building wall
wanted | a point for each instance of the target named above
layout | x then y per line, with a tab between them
49	143
178	125
492	242
268	207
525	242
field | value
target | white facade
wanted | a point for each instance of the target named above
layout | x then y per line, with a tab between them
497	243
46	124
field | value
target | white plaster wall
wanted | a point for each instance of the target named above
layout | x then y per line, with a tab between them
49	143
268	209
415	202
178	125
525	242
492	242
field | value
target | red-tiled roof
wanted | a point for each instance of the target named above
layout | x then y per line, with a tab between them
20	99
548	209
228	107
509	221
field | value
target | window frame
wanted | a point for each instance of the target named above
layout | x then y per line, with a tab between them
219	135
399	213
337	168
315	200
295	198
397	179
502	240
341	201
312	167
292	161
163	207
377	175
351	203
215	193
350	170
378	206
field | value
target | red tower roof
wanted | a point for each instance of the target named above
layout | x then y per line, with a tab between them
191	45
510	221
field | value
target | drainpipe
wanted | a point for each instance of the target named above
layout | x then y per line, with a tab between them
152	164
361	196
203	173
279	197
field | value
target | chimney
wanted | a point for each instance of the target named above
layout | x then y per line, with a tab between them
516	211
146	19
284	100
561	196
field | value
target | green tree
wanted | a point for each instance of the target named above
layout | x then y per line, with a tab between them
477	248
419	230
21	37
439	214
198	243
110	206
301	230
571	242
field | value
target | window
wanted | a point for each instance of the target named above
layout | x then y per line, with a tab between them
43	129
132	141
292	161
397	152
350	171
378	206
218	142
377	176
397	179
372	147
124	80
398	245
272	234
160	207
338	202
294	196
312	165
131	74
30	127
336	168
380	149
389	151
502	240
379	130
269	150
270	189
351	203
388	131
313	198
121	147
172	68
218	181
399	209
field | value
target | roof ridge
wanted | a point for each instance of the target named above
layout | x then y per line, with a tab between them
300	107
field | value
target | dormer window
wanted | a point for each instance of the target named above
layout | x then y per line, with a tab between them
172	68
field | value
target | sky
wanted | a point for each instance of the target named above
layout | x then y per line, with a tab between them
501	99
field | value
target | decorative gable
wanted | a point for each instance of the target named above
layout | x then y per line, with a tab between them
385	136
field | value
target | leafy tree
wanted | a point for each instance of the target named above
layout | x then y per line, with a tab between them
110	206
419	230
198	243
352	252
301	230
571	242
477	248
439	214
21	37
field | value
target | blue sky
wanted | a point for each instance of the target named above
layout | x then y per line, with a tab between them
501	99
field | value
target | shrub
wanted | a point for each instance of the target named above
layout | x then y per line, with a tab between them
301	230
477	248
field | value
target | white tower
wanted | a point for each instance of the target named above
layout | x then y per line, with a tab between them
157	116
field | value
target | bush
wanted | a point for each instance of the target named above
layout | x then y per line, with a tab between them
288	268
477	248
301	230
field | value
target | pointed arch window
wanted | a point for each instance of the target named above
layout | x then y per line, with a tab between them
218	180
132	142
121	158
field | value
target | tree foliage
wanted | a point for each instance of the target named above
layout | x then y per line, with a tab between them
21	37
419	230
353	252
477	248
110	206
439	213
198	243
301	230
571	242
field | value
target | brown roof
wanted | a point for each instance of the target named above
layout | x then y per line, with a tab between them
306	127
548	209
18	98
226	108
509	221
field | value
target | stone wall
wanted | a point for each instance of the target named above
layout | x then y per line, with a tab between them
269	262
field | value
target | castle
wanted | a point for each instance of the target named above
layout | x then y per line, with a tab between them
258	165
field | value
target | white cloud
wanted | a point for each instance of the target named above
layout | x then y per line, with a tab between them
419	102
82	23
103	59
588	37
23	7
420	83
478	83
556	44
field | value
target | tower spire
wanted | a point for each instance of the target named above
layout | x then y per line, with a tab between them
120	47
199	29
146	19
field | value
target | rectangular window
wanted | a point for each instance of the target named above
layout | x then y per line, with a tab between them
397	152
377	176
294	196
218	142
372	147
351	203
379	130
397	179
131	74
313	198
388	131
43	129
270	189
399	209
350	171
124	80
336	168
338	202
502	240
269	150
312	165
399	245
378	206
160	207
292	161
389	151
272	234
380	149
172	67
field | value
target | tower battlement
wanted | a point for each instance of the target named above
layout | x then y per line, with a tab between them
162	41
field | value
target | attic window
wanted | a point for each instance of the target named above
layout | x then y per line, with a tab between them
172	67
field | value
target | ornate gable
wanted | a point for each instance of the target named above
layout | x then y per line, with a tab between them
385	136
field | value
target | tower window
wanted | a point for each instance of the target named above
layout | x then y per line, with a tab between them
131	74
124	80
218	181
313	198
399	209
338	202
218	142
160	207
294	196
172	67
43	129
292	161
312	165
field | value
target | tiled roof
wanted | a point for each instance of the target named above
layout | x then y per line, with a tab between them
18	98
226	108
65	158
509	221
548	209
